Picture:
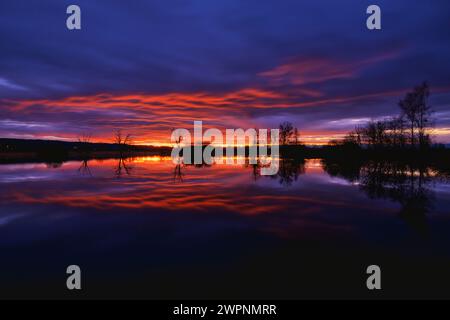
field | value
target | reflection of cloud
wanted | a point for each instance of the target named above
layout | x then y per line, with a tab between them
220	193
203	190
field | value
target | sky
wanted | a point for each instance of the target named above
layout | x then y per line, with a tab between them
148	67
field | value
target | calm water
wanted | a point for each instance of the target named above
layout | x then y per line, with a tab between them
145	228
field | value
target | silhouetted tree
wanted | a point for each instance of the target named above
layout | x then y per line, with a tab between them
85	138
286	131
354	137
122	140
85	141
374	133
417	112
392	133
288	134
296	137
396	132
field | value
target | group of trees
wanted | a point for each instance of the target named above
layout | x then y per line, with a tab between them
288	134
409	129
122	140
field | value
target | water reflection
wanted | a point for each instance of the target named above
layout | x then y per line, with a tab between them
178	173
406	184
161	221
289	171
84	168
123	167
300	186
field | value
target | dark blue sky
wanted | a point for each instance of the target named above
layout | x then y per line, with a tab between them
149	66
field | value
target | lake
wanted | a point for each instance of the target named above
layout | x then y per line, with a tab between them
145	228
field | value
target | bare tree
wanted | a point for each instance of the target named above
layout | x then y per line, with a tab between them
416	110
296	137
352	138
286	132
372	133
122	140
395	132
424	114
85	141
85	138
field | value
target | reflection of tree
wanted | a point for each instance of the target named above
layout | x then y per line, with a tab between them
256	167
349	171
54	165
256	170
404	184
84	168
288	170
415	207
399	182
123	167
178	173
